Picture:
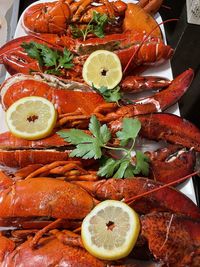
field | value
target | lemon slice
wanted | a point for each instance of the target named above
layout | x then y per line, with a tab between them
31	117
110	230
102	68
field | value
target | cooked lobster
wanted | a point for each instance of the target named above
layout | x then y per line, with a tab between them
57	16
172	239
147	50
56	198
71	103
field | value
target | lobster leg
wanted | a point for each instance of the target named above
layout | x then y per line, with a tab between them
37	223
150	6
71	170
80	7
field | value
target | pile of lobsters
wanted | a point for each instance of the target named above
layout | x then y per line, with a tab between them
45	194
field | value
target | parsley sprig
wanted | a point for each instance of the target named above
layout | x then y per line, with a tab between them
94	145
47	57
96	26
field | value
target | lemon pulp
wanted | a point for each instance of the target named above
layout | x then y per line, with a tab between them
102	68
110	230
31	117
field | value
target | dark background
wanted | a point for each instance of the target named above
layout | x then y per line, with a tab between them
185	39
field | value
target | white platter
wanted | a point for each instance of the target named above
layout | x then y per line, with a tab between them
162	70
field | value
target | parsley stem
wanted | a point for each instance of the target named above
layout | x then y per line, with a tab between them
132	146
116	148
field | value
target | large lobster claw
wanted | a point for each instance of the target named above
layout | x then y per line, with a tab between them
167	127
172	231
175	162
16	60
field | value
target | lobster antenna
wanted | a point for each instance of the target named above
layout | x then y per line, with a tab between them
129	201
143	41
166	7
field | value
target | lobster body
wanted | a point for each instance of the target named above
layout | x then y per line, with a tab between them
47	199
67	97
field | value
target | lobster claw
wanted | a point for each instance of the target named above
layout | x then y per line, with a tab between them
169	164
18	61
171	128
135	84
172	231
161	100
156	103
15	59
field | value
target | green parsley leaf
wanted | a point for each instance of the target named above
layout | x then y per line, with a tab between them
66	60
86	151
130	171
32	51
108	168
105	134
75	136
130	130
49	56
87	146
96	26
90	146
53	72
100	21
110	95
102	133
122	168
75	31
142	163
53	59
94	126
